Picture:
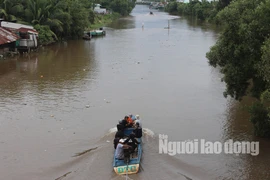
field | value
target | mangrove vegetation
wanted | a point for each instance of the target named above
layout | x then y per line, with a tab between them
242	52
203	10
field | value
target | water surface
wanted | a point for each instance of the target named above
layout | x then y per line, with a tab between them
68	97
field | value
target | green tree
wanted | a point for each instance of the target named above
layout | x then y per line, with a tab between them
222	4
237	50
10	8
123	7
46	36
172	7
49	13
243	56
260	115
79	16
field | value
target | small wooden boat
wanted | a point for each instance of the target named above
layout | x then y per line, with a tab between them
151	13
87	35
132	165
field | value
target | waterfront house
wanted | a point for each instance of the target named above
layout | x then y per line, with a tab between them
7	41
28	35
99	10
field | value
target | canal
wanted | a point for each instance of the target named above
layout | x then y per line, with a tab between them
68	98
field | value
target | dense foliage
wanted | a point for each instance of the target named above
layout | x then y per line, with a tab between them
242	51
243	54
58	19
203	10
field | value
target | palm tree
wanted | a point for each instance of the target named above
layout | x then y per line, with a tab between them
9	9
47	12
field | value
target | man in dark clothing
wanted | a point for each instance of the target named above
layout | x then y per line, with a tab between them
134	143
120	126
125	123
115	142
137	131
119	134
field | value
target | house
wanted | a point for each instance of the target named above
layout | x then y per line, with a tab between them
28	36
99	10
7	40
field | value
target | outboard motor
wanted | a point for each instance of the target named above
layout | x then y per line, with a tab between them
126	155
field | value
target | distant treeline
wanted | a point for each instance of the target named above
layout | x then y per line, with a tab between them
203	10
59	19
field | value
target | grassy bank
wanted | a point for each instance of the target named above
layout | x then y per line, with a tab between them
103	20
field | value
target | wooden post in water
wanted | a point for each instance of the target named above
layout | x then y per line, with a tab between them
168	27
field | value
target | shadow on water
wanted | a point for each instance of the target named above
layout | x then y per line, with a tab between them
7	65
12	73
196	23
65	65
123	23
238	128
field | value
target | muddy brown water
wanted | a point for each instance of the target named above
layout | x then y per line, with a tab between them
68	97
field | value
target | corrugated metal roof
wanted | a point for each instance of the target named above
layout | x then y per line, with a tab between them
7	36
14	25
26	30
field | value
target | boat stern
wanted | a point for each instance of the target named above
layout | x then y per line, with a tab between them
132	169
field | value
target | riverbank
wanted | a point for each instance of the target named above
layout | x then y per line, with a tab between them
46	39
103	20
204	10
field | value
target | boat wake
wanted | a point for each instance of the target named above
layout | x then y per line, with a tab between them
84	152
148	132
96	163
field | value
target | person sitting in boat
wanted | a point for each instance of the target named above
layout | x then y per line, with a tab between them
126	122
115	142
138	130
132	117
138	120
122	124
130	121
119	151
134	143
119	134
